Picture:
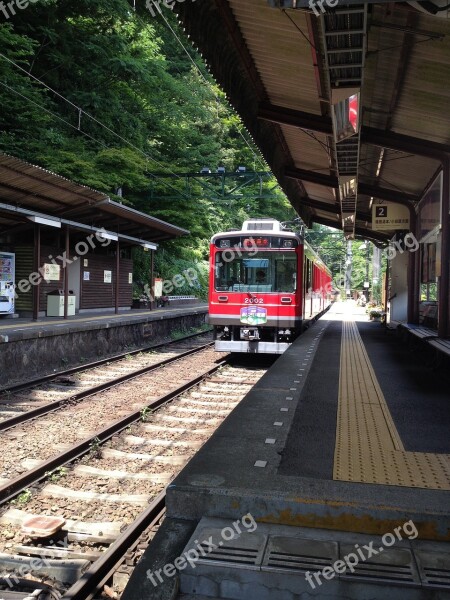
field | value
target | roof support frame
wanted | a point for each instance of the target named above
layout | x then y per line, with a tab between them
331	181
369	135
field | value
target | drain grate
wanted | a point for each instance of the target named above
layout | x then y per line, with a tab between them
232	554
244	550
283	556
290	554
392	566
434	568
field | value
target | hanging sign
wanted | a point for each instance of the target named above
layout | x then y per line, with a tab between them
389	216
158	288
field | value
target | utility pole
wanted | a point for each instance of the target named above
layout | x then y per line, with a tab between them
367	281
348	270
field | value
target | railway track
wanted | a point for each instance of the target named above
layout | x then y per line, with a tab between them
109	487
25	401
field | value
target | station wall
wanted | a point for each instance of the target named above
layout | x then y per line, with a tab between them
26	354
92	279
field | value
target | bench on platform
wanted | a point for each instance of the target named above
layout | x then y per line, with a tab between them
441	346
182	300
418	331
429	337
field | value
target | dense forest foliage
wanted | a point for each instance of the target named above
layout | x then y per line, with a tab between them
122	103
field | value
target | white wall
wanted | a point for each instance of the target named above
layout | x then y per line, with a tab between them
399	287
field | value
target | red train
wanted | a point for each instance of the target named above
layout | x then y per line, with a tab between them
266	283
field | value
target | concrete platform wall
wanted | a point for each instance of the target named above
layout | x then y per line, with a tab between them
51	349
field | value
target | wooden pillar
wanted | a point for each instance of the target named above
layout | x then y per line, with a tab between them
117	277
66	276
413	276
36	267
417	285
444	280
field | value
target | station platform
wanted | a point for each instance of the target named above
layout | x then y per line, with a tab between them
29	349
348	430
345	439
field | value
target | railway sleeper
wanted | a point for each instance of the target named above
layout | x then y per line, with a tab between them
65	571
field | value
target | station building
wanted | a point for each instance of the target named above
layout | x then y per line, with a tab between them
65	248
66	275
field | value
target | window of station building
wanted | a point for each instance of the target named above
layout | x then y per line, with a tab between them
271	272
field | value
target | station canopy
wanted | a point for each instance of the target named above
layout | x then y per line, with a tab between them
349	105
28	192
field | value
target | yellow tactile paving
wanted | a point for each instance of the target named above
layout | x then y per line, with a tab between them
368	446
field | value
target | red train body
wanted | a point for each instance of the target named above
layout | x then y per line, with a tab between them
266	283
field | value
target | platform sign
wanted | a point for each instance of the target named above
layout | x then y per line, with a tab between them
158	288
389	216
52	272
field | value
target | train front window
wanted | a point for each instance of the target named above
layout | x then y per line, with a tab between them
268	272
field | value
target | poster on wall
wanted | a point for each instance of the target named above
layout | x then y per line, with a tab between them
86	276
130	278
107	276
52	272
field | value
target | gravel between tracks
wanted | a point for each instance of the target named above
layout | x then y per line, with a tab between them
154	450
44	437
63	386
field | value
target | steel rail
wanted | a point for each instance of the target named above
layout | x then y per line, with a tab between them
9	490
103	568
20	387
51	406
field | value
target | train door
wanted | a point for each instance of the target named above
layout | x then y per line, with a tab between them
307	287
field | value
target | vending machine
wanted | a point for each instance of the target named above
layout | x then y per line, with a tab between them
7	276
